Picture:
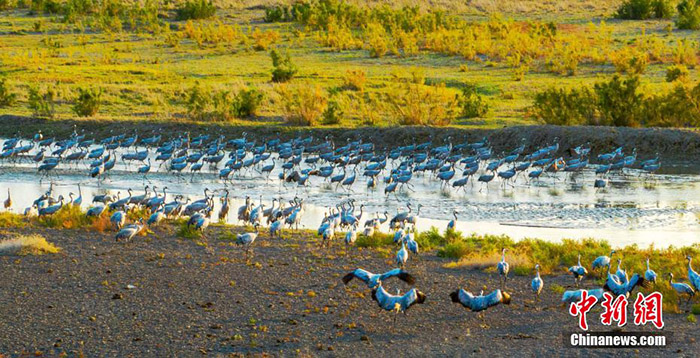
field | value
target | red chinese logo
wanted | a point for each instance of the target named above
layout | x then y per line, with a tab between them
582	307
649	309
614	309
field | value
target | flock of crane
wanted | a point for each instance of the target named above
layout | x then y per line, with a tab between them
301	159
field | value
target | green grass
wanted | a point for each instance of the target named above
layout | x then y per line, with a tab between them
187	232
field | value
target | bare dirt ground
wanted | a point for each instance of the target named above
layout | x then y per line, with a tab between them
190	299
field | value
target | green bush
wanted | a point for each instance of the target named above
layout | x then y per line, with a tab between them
562	107
197	102
42	103
619	102
472	104
333	113
45	6
688	15
246	102
88	102
678	108
677	72
645	9
283	68
613	103
5	4
74	9
276	14
7	98
195	10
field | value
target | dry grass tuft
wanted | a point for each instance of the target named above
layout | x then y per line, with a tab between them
489	261
28	245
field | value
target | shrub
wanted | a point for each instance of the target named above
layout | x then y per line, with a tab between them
263	39
283	68
354	80
628	60
88	102
688	15
645	9
197	102
377	40
5	4
274	14
685	53
303	105
195	10
562	107
676	72
416	104
678	108
246	102
42	102
333	113
619	102
213	33
472	104
7	98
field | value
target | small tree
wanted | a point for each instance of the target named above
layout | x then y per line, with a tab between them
195	10
333	113
619	102
246	102
7	98
42	102
88	102
197	102
676	72
688	15
645	9
473	105
283	68
303	105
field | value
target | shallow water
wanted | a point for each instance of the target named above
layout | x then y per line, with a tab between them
662	209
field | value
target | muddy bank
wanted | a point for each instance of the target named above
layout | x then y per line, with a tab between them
165	296
675	146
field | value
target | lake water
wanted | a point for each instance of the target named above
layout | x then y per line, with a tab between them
634	208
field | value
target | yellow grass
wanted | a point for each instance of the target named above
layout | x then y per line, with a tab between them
28	245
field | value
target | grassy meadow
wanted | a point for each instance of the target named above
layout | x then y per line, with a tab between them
349	70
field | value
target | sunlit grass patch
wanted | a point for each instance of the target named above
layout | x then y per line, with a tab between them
12	220
68	217
377	239
28	245
187	232
519	262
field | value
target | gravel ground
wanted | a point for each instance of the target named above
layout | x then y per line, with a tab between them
192	298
